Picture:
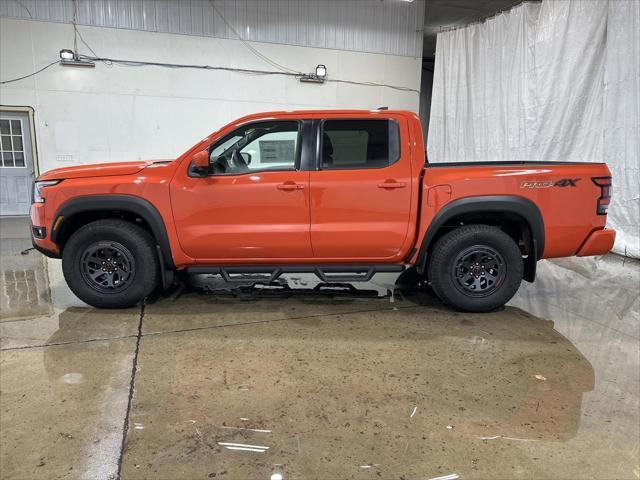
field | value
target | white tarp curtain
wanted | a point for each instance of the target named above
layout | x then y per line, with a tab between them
552	81
621	119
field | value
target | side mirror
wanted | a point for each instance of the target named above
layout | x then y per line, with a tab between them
201	159
247	157
200	163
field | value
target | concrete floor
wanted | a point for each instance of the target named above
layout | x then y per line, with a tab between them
276	383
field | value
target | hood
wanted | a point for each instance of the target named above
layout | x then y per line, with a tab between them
98	170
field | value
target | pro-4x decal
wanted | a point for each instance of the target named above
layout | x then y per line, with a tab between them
565	182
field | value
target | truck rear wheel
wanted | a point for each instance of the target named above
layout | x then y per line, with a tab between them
110	264
475	268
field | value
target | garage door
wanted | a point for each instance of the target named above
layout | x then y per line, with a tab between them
16	163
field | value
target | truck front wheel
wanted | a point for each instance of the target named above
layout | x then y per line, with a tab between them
475	268
110	264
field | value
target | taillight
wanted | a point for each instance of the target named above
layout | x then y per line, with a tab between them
605	194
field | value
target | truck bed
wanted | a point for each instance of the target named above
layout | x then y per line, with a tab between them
564	192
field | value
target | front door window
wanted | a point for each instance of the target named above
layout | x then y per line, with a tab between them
263	146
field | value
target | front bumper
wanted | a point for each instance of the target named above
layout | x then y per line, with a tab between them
43	250
38	219
598	243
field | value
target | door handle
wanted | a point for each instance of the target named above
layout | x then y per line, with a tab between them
392	184
290	186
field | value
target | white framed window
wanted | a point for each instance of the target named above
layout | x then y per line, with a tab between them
11	143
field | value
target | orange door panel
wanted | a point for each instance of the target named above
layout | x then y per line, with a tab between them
362	212
251	216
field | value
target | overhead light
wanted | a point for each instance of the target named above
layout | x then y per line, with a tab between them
66	54
77	63
69	58
318	77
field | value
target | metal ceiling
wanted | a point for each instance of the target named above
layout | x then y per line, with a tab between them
389	26
384	26
442	14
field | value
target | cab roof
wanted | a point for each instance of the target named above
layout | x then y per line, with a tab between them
301	113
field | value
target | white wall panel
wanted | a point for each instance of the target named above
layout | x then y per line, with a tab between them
115	113
390	26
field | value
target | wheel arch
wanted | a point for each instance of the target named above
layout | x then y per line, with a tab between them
78	211
500	210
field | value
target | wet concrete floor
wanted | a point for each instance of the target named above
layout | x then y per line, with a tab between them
305	380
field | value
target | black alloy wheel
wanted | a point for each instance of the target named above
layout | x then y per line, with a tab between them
479	271
107	266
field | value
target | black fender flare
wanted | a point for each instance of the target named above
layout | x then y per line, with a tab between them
125	203
513	204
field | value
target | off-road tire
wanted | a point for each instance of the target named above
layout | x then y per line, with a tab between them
449	256
136	245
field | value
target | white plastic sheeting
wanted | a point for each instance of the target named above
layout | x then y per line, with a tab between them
553	81
622	121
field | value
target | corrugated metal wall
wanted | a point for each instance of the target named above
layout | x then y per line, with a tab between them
390	26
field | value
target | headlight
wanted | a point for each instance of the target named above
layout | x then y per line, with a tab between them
37	189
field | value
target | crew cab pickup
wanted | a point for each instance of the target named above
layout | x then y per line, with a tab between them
343	194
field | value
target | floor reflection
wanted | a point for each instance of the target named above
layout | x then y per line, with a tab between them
404	390
301	379
24	283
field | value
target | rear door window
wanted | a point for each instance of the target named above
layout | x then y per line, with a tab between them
355	144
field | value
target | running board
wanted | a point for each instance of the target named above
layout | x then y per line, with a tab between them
268	273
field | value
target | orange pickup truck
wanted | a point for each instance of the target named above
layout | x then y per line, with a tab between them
342	194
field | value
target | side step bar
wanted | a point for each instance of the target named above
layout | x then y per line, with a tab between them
268	273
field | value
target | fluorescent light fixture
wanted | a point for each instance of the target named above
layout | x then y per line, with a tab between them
69	58
321	71
66	54
77	63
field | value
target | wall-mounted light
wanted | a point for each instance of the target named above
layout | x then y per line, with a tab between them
66	54
69	58
318	77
